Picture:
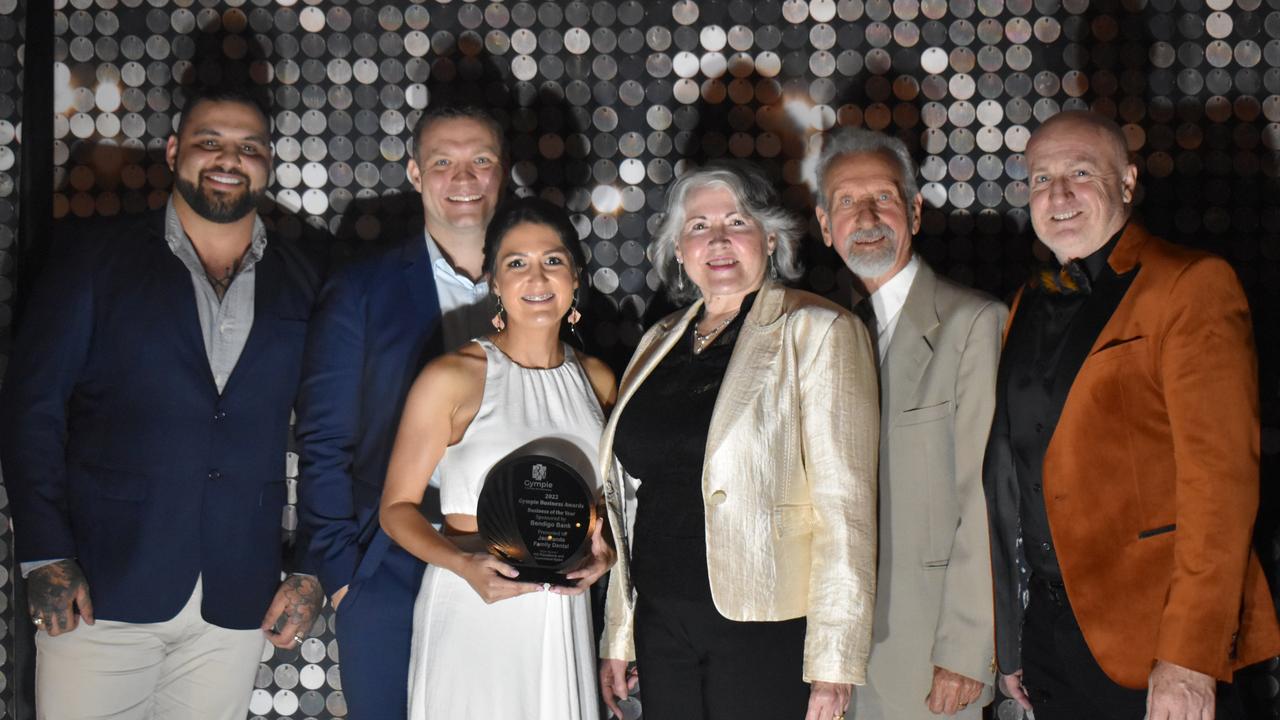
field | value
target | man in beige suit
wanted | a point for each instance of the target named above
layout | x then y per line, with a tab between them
938	345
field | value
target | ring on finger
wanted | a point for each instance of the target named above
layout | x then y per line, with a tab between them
298	638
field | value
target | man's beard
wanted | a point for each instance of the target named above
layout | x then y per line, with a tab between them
874	262
218	207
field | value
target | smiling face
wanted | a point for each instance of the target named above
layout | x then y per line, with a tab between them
221	160
534	275
724	251
458	171
1081	185
866	219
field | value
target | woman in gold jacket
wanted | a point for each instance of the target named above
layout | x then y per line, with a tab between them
740	468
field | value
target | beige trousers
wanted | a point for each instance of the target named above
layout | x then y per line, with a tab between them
181	668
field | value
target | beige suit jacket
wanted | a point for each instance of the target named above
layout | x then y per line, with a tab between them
788	481
934	598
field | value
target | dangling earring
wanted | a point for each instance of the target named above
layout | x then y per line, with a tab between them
679	275
499	321
773	267
574	316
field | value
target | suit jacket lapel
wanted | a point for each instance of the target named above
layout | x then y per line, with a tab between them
648	357
420	279
175	287
756	348
1087	332
911	346
648	354
266	289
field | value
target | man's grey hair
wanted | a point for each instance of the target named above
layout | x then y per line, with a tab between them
756	198
851	141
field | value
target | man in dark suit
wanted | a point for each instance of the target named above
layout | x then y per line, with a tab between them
145	416
1122	467
379	321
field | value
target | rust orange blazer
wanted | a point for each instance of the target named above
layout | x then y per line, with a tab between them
1151	478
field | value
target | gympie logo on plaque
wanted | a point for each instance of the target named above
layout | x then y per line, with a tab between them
536	511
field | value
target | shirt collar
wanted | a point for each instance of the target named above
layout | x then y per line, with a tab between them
1095	262
445	271
888	299
180	243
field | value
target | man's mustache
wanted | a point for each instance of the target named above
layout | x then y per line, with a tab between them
875	232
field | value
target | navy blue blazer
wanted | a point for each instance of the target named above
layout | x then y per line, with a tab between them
116	446
376	326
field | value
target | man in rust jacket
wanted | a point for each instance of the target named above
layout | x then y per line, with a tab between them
1122	469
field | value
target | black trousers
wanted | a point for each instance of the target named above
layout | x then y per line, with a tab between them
696	665
1062	679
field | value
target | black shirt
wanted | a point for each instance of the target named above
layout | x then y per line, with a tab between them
1036	366
662	440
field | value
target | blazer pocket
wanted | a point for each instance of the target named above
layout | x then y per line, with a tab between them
111	483
1119	348
1162	530
930	413
789	520
935	564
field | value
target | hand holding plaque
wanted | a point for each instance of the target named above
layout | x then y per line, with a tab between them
537	510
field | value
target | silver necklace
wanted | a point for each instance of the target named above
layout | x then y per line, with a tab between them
700	340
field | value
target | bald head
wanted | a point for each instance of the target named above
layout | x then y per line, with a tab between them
1089	122
1082	183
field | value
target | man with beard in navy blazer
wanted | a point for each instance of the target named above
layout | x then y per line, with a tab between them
379	321
143	427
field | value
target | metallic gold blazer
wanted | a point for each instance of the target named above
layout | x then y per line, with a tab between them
788	481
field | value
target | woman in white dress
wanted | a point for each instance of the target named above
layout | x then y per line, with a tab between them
486	644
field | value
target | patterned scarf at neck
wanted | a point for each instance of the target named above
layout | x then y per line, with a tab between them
1069	279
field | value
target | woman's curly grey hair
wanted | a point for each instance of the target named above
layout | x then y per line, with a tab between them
756	198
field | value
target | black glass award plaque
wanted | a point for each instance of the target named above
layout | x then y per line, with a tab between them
536	511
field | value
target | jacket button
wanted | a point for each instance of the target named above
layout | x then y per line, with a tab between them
215	475
219	414
718	497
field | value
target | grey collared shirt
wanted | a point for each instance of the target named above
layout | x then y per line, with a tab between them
224	322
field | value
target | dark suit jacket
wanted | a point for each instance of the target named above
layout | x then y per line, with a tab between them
1151	476
375	328
118	449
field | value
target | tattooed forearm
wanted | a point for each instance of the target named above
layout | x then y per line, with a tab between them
51	590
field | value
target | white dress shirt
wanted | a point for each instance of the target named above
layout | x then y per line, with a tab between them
887	302
465	308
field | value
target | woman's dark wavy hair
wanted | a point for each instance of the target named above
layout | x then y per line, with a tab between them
539	212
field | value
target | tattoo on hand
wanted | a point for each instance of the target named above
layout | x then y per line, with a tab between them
51	588
303	599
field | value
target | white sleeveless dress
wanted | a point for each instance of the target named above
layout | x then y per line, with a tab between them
530	657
